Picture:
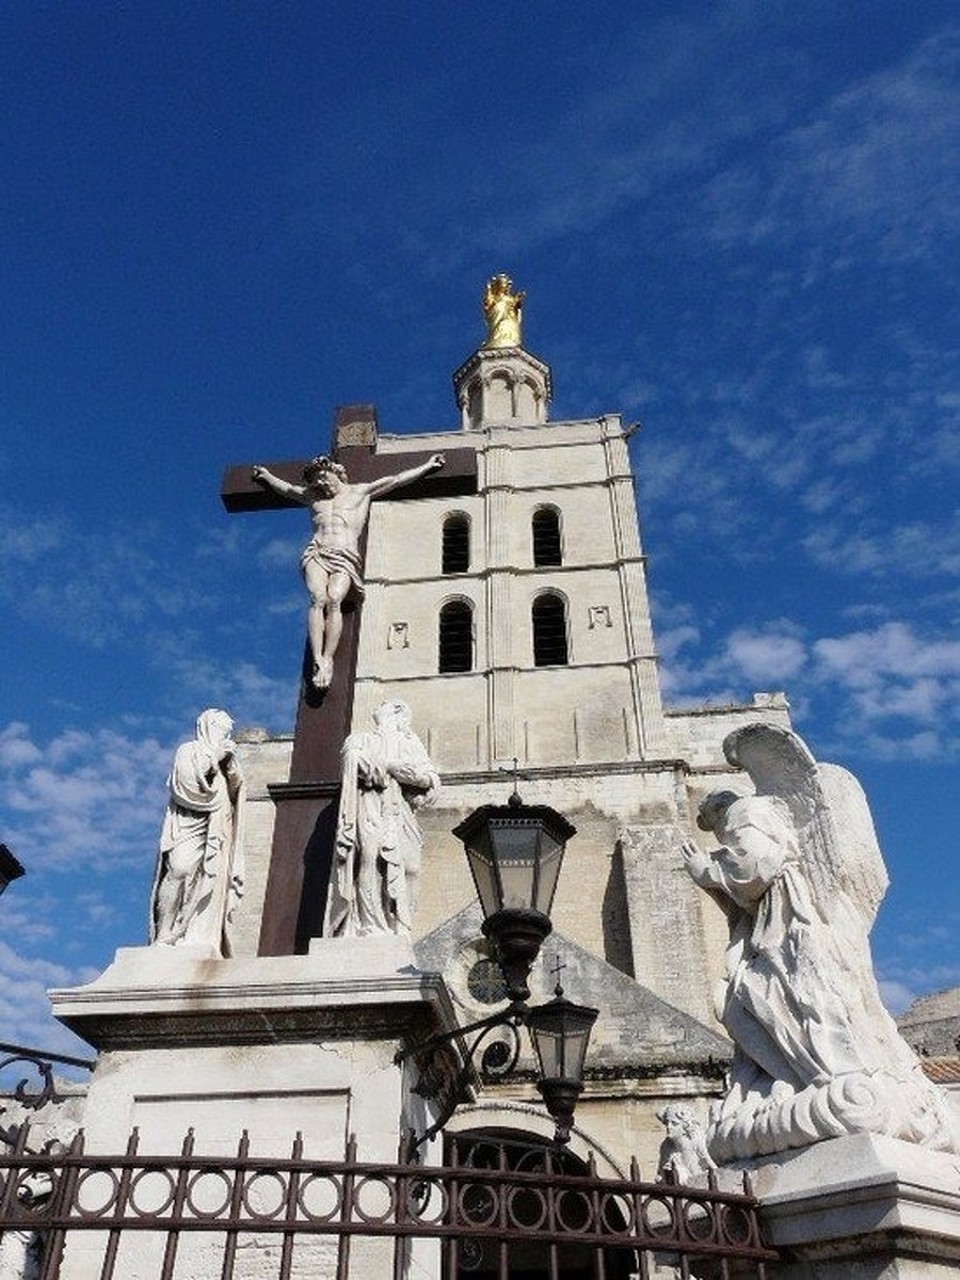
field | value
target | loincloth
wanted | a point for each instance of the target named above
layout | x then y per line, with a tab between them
335	560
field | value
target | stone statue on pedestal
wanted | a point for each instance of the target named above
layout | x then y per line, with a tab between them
502	311
387	776
330	562
800	877
199	876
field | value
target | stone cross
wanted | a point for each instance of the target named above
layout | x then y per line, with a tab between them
303	836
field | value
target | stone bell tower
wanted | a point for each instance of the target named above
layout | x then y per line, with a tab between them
515	620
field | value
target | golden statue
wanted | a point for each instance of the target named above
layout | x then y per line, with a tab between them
501	310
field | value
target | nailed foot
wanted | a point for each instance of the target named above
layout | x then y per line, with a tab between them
323	673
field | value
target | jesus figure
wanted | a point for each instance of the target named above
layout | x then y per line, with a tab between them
331	559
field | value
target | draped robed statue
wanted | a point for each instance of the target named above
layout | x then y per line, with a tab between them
199	876
387	776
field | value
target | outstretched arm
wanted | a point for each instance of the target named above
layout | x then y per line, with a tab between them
262	476
386	483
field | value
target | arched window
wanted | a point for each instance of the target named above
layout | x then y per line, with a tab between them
456	636
546	536
549	631
456	544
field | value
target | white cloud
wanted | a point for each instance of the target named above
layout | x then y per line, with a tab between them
281	553
903	979
83	798
892	649
16	749
250	695
27	541
774	655
24	1004
100	586
916	548
886	689
897	996
877	170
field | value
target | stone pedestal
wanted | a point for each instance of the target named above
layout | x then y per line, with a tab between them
269	1046
864	1206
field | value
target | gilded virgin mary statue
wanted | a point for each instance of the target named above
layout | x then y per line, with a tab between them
501	310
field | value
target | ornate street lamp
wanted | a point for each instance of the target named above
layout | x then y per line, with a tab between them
560	1031
10	868
515	852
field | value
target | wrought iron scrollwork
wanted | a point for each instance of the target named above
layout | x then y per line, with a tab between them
444	1082
31	1093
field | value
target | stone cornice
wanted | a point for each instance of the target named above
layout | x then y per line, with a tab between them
155	996
465	777
519	570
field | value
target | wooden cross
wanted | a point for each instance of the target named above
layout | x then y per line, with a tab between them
303	837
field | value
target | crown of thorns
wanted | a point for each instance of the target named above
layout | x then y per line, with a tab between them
321	463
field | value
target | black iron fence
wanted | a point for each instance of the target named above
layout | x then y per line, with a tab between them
494	1210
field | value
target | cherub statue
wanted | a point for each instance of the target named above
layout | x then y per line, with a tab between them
800	877
683	1153
502	312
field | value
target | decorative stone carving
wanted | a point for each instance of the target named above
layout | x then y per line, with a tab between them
199	876
683	1153
331	563
398	635
598	615
387	776
502	311
800	876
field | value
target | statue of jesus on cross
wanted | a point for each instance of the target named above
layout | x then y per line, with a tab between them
331	561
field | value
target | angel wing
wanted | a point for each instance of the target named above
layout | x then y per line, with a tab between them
829	810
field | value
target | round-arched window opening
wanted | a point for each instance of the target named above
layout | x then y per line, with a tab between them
456	637
549	615
455	550
546	537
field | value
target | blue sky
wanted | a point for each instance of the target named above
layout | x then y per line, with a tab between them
736	222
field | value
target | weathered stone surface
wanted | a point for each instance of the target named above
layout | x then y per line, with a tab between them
636	1034
864	1206
931	1026
155	996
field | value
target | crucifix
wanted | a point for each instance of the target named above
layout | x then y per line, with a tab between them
303	836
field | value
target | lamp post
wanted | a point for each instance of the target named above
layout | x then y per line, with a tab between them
10	868
560	1031
515	852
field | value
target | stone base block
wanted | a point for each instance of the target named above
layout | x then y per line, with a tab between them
271	1046
864	1206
